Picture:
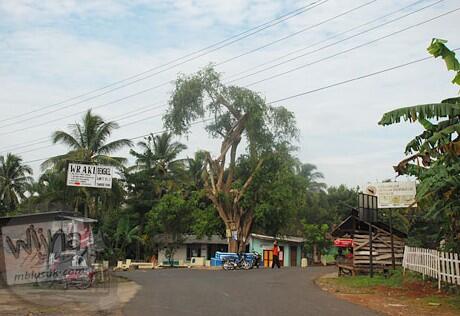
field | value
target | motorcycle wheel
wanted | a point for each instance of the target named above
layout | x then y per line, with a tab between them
228	266
246	265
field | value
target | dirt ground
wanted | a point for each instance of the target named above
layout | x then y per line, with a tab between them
101	300
412	299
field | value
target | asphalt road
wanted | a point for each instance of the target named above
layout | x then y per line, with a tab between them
288	291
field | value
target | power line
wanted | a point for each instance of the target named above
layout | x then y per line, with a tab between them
307	92
122	126
201	52
350	49
79	112
296	33
311	91
168	82
117	118
74	114
353	79
277	59
342	52
133	138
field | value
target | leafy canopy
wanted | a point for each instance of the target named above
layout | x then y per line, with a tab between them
203	96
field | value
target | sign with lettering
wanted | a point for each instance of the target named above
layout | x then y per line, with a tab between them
93	176
393	194
45	251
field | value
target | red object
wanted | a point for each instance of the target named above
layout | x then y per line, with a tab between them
343	243
276	250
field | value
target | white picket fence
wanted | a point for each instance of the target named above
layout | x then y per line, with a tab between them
443	266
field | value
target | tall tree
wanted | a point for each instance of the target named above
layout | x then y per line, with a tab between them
277	194
14	179
159	154
88	142
157	172
235	113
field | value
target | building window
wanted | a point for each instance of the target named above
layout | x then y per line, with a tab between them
193	250
213	248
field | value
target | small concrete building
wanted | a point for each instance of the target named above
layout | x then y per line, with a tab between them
192	246
34	247
291	249
206	248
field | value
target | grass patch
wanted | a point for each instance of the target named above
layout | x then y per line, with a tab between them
394	280
451	301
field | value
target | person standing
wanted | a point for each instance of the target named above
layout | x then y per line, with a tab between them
276	253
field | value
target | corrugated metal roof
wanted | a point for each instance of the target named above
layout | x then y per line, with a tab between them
280	238
55	215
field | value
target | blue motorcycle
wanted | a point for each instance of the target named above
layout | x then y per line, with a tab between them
241	261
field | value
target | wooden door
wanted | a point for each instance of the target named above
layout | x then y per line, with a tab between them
268	258
293	256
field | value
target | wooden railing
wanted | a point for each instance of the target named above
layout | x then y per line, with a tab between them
443	266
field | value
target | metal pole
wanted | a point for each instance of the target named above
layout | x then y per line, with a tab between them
371	270
392	244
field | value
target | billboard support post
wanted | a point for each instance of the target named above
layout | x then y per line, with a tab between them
393	264
368	212
371	263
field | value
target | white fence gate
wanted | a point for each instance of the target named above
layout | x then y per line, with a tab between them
443	266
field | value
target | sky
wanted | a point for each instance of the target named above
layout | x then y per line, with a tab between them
60	58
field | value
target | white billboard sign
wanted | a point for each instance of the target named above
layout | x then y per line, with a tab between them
393	194
85	175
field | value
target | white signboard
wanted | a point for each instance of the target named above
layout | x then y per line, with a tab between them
94	176
393	194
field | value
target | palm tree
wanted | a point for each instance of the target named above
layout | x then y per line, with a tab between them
14	178
311	175
196	167
156	172
88	143
159	154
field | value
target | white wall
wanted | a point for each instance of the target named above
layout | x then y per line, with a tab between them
181	253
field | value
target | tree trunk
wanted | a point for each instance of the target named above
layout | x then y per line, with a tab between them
227	199
141	232
315	253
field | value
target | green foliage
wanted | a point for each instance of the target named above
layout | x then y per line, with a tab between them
316	237
206	221
438	48
87	142
447	108
172	215
439	195
277	194
395	280
202	95
14	180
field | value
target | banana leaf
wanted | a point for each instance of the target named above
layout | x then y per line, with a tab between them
447	108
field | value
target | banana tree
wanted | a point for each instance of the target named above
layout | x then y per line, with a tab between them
434	155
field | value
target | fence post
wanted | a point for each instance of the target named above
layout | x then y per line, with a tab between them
439	270
457	265
404	260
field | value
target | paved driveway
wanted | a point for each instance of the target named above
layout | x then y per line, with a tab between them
283	292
